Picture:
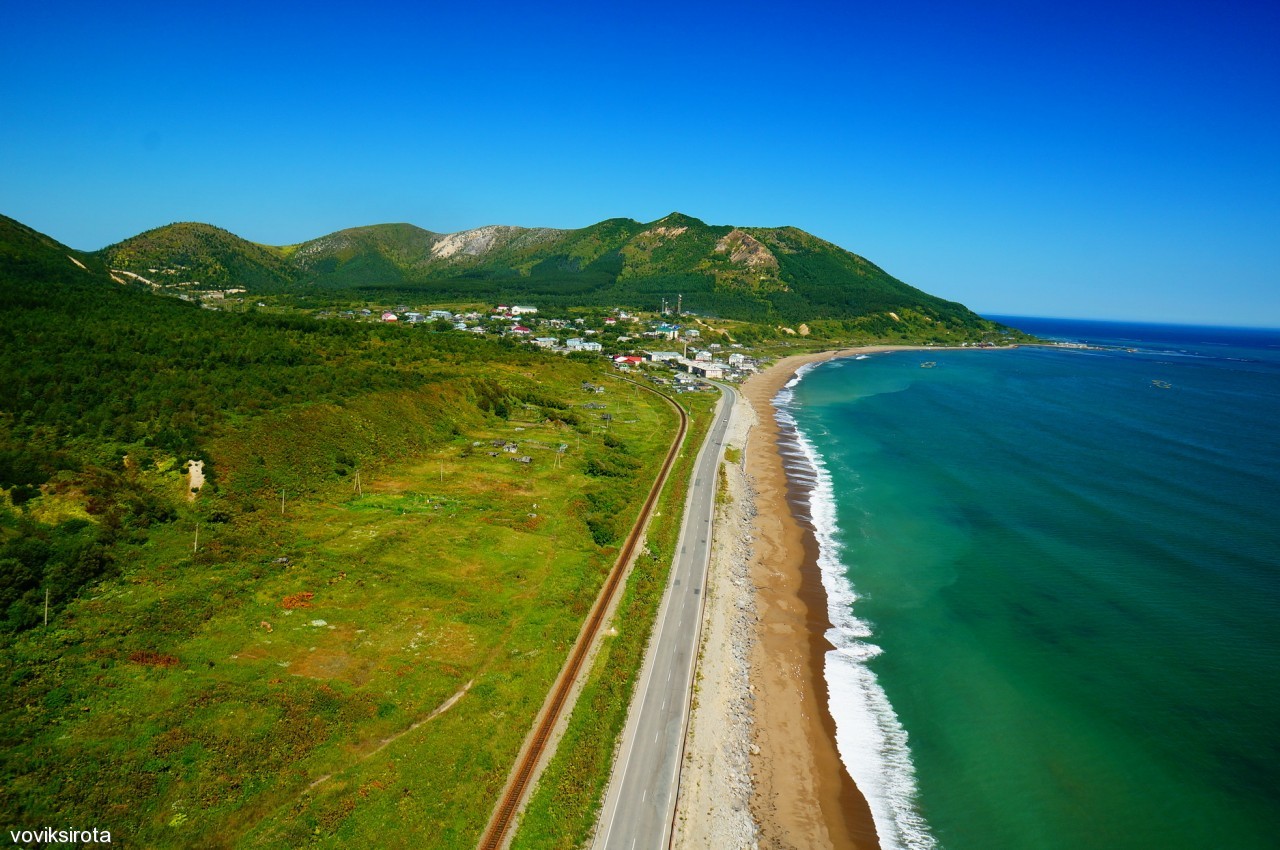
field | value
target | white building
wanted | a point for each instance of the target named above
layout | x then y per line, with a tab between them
523	311
707	370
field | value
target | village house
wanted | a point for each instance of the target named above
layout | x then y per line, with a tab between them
707	370
390	317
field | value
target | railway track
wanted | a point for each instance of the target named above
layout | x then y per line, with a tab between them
495	834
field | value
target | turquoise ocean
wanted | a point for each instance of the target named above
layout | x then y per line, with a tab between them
1054	576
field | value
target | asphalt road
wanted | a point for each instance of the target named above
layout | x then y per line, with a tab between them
639	804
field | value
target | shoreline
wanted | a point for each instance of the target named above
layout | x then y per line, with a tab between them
803	793
804	796
762	767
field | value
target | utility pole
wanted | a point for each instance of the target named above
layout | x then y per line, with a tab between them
679	304
281	501
46	606
195	547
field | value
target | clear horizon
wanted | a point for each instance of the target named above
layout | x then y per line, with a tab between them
999	316
1099	161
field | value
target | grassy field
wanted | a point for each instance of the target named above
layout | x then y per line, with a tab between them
357	671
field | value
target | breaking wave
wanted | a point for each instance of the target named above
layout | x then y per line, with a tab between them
870	738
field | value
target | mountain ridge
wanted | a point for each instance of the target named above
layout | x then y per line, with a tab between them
761	274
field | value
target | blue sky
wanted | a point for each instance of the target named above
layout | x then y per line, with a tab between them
1116	160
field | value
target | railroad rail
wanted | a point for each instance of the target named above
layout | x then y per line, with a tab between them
517	783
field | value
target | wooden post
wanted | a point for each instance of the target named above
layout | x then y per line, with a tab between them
281	501
195	547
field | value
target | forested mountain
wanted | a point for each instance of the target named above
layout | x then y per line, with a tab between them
203	256
749	273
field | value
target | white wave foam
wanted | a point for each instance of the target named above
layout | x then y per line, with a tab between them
870	738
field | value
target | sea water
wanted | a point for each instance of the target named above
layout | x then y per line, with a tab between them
1054	576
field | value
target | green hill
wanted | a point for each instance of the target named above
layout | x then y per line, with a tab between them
34	267
757	274
200	256
382	253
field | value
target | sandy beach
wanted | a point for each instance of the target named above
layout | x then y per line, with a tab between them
803	796
761	765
